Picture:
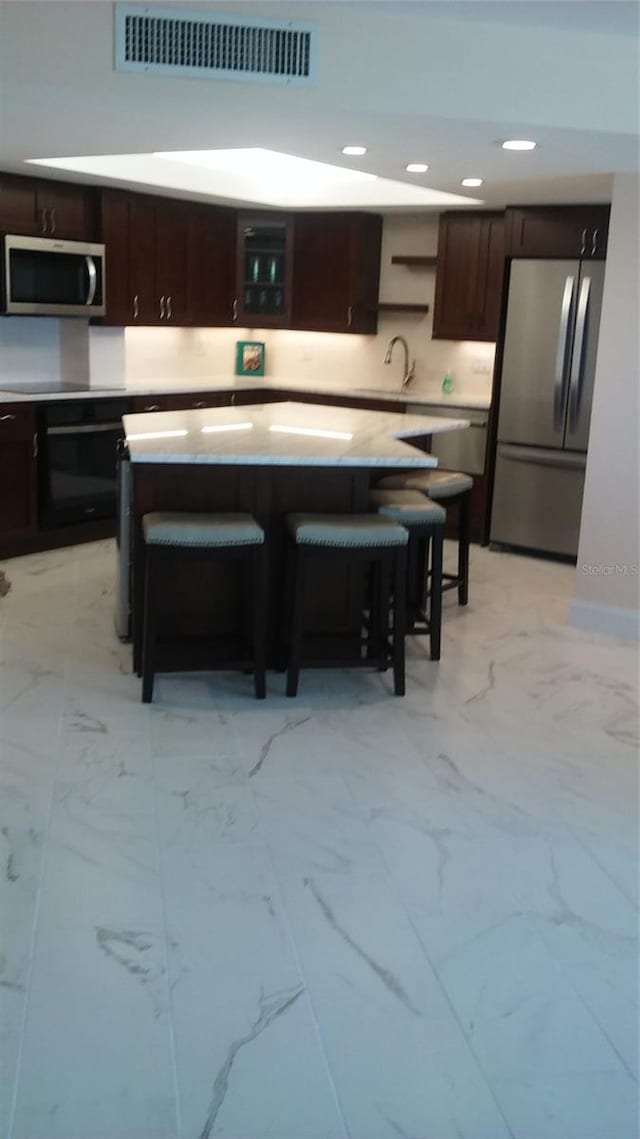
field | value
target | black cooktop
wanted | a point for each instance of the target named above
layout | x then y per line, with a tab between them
49	387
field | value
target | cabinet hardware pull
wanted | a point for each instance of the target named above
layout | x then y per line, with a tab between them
35	444
233	398
169	312
199	403
583	245
43	220
162	309
135	307
235	309
152	407
5	418
594	242
52	221
349	316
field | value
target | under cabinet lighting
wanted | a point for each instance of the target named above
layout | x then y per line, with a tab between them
417	167
315	432
226	427
471	182
157	435
518	144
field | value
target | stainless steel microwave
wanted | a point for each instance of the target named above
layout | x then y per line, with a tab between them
47	277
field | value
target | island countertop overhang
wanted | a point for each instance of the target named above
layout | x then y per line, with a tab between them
283	434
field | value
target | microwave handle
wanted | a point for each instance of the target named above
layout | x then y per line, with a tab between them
93	280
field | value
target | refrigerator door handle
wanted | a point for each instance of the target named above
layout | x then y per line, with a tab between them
560	382
540	457
577	364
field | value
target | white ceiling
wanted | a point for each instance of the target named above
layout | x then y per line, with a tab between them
440	82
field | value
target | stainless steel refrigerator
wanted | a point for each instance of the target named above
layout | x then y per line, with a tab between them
548	368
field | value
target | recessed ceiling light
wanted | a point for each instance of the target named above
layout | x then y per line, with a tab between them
354	150
471	182
417	167
518	144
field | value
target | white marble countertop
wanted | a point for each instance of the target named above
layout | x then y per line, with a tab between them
25	391
287	434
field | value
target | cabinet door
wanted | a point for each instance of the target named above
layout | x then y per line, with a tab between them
469	276
145	301
211	265
68	211
114	232
336	271
171	261
18	458
490	277
18	206
263	271
456	277
558	231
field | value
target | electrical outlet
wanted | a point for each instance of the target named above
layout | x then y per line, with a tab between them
481	366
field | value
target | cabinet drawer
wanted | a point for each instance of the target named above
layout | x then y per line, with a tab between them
188	401
17	421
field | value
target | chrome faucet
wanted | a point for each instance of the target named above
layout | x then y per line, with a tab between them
409	372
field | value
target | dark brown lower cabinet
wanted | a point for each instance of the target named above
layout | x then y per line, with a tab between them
18	471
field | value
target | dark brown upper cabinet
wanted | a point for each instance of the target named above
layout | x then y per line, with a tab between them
263	270
211	264
18	471
469	276
558	231
146	259
37	208
336	271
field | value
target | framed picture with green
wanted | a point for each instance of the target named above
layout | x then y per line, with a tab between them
249	358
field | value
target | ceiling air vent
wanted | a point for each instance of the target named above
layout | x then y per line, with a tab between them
173	41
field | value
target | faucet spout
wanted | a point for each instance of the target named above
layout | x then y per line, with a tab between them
409	370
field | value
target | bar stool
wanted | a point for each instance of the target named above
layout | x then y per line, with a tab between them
424	521
182	536
450	488
351	538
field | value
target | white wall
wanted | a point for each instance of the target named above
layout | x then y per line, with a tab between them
607	574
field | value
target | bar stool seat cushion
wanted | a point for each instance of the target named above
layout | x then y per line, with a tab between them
206	531
345	531
437	484
407	507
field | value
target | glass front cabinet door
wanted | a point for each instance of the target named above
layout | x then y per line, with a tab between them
264	268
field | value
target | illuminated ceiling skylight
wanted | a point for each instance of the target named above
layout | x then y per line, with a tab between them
264	177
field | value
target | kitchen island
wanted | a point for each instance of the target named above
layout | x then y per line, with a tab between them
266	460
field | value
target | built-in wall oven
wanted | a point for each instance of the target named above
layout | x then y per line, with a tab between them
77	462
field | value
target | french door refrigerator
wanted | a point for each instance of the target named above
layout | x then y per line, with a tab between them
551	333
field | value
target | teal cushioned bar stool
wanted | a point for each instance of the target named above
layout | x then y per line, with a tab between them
451	488
424	521
381	545
171	537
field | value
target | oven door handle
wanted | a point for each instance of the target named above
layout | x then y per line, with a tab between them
84	428
93	280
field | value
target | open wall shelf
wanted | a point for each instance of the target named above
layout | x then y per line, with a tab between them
400	306
413	261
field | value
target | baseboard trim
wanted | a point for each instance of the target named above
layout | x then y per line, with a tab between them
608	619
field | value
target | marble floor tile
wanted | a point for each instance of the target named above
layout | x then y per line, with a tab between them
344	916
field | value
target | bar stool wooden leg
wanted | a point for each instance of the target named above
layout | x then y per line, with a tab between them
297	608
259	573
399	620
435	599
464	524
148	630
